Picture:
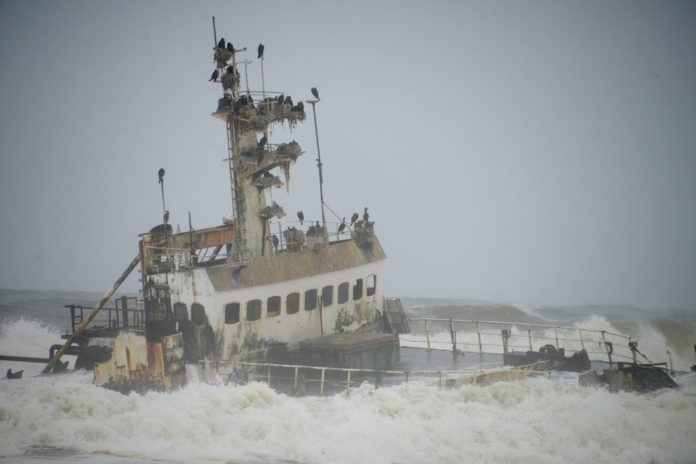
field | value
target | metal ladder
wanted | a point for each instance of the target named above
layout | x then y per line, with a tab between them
237	198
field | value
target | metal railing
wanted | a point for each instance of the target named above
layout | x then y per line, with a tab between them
301	378
498	336
332	235
127	313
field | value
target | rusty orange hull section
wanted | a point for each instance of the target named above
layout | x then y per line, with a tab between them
137	364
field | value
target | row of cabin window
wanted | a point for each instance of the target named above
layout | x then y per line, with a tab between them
292	301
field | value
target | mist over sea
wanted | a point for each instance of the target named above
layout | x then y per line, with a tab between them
64	418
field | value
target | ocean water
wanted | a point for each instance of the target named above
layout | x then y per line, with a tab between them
65	418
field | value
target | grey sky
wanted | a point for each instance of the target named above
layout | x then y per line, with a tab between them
531	152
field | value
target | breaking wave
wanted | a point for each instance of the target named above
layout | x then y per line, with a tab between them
30	338
533	421
537	420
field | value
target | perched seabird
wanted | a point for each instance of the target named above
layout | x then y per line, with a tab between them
354	218
230	47
14	375
274	239
221	42
261	47
214	76
300	106
315	92
288	100
366	216
262	143
300	216
160	175
342	226
230	70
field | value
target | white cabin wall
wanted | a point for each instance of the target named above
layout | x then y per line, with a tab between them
287	328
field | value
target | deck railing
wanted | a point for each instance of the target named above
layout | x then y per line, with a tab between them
503	337
302	378
127	313
167	258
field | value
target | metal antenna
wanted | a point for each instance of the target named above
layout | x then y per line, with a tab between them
263	80
214	34
246	64
313	102
161	182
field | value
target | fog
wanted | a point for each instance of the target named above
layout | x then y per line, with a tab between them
529	152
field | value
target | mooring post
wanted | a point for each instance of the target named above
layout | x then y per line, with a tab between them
478	332
321	386
427	333
295	378
506	341
124	309
608	346
529	335
348	384
453	336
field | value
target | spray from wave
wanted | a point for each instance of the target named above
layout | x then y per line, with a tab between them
530	421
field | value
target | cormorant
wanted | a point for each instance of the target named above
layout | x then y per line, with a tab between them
315	92
300	106
354	218
288	100
160	174
366	216
14	375
230	70
262	142
214	76
342	226
230	47
300	216
261	47
274	239
221	42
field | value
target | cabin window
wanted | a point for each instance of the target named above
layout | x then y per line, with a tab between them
357	289
180	312
310	300
327	295
232	313
253	310
343	292
273	306
371	284
198	316
292	303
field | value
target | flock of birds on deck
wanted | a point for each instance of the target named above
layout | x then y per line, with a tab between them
353	220
318	230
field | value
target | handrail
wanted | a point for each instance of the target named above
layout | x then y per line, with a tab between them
378	373
528	324
530	333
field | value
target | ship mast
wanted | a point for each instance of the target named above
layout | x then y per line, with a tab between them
251	157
